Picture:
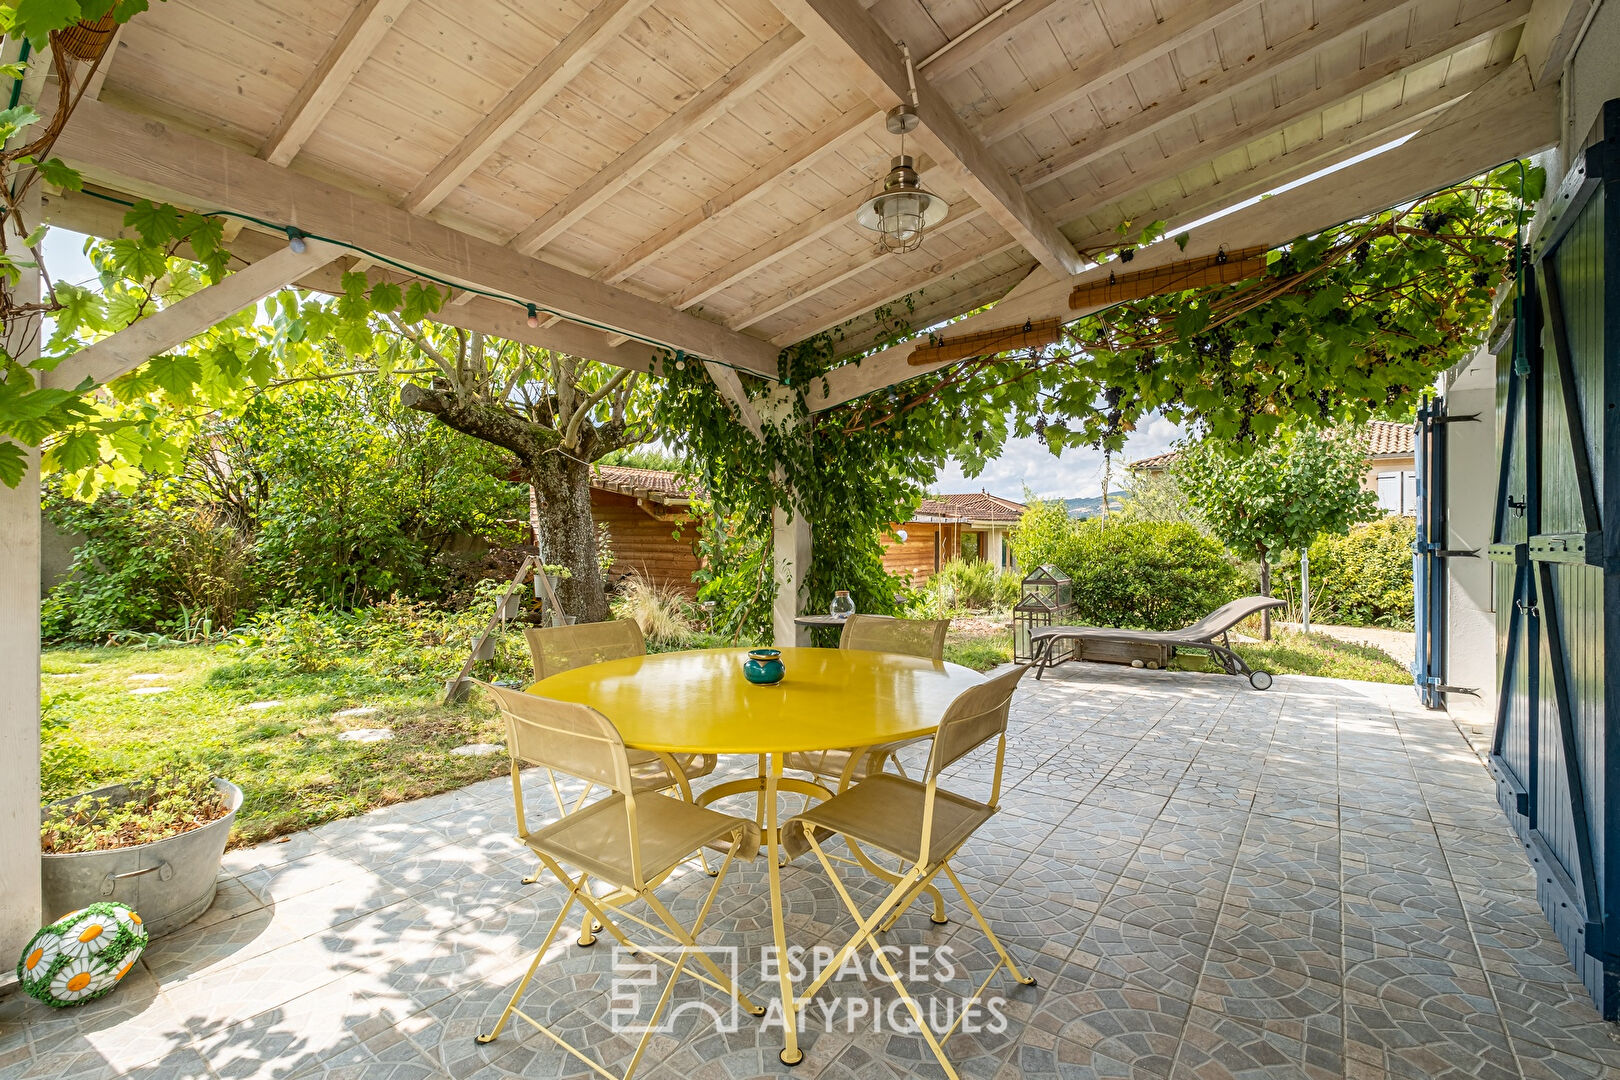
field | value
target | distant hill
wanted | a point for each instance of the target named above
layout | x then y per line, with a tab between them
1088	508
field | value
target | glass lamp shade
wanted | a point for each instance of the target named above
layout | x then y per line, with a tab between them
903	210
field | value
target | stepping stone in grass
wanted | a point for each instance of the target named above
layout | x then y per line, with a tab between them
261	704
151	689
477	749
366	735
359	710
147	677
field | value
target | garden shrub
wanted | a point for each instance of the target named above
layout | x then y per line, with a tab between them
1364	577
328	494
962	586
1149	574
146	561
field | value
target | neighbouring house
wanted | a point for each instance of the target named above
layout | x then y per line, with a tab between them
649	523
1391	466
972	527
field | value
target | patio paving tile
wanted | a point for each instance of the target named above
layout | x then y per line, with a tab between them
1208	883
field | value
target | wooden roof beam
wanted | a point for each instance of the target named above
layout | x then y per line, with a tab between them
1444	43
1550	35
708	105
184	319
847	35
906	284
840	215
838	273
1504	119
1188	24
1344	25
354	44
1285	168
143	157
95	217
801	155
572	55
999	27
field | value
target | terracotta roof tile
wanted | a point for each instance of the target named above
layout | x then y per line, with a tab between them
1384	438
658	484
970	506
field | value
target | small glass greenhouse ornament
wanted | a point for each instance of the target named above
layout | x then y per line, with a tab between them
842	606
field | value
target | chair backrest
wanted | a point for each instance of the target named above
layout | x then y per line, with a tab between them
560	735
880	633
563	648
1227	616
977	715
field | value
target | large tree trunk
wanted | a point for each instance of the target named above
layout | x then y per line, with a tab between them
568	533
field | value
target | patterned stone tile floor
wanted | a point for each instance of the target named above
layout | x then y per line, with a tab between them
1209	882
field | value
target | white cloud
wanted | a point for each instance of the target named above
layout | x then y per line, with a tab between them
1078	472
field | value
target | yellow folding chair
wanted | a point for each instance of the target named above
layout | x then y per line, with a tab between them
924	827
556	649
627	842
923	638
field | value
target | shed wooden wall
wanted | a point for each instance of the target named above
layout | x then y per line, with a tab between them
645	544
915	557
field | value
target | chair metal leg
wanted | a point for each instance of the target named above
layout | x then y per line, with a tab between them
539	954
595	909
984	924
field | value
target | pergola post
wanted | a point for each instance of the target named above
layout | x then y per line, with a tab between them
792	557
790	549
20	898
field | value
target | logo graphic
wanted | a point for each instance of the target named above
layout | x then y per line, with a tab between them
638	983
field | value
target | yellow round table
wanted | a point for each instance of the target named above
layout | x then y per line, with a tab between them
699	702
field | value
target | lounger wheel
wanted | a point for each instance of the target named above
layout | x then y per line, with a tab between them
1260	680
798	1056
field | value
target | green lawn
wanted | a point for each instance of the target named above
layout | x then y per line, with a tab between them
272	732
1290	653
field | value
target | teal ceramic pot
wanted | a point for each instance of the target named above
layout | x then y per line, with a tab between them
764	666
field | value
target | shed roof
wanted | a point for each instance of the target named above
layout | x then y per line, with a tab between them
655	485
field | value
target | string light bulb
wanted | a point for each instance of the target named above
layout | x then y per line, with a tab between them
295	240
534	318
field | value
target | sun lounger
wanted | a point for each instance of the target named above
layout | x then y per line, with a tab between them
1201	635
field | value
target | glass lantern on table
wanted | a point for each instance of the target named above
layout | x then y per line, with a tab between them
842	606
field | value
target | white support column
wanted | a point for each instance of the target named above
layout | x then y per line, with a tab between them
19	687
792	553
790	550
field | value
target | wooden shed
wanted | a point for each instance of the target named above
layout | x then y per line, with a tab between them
649	524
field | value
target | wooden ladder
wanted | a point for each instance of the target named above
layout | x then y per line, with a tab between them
456	687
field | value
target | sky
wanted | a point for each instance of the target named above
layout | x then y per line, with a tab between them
1027	464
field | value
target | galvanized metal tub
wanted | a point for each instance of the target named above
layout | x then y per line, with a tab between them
169	882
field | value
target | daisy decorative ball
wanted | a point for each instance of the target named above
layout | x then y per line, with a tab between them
82	956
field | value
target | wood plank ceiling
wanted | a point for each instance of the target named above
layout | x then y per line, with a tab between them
708	155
